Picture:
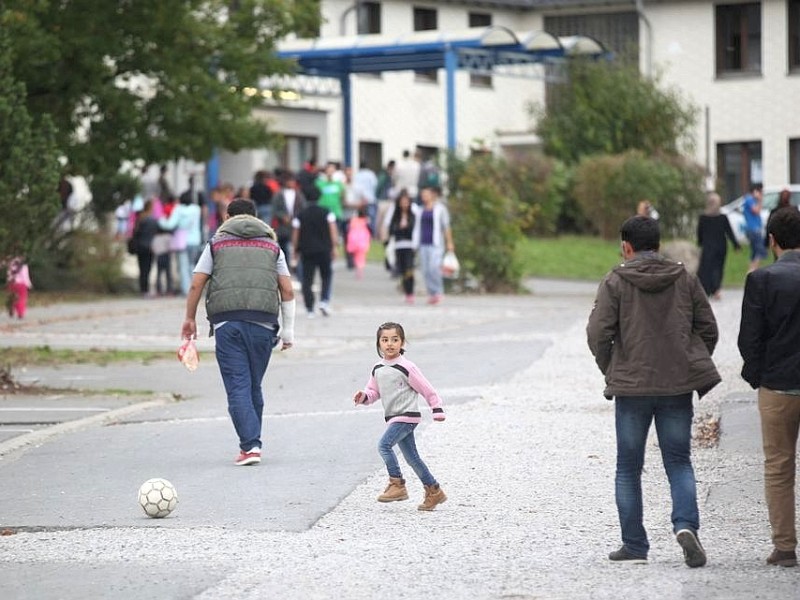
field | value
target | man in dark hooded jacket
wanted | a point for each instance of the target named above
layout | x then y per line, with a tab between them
652	333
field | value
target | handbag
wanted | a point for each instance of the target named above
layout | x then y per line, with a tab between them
450	265
132	245
389	249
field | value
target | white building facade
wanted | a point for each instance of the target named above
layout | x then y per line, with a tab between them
738	63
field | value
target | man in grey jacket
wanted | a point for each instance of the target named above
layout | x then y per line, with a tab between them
250	305
652	333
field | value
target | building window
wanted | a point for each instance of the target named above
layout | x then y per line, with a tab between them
297	150
427	152
738	165
794	161
738	38
425	19
371	153
369	17
480	20
794	35
618	32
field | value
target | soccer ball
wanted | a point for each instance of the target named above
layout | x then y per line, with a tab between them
158	497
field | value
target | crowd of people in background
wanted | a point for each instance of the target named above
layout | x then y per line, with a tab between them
317	213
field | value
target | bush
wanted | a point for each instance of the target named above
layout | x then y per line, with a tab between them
82	260
486	222
608	188
538	182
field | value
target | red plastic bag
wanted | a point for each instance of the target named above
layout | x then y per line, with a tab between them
187	354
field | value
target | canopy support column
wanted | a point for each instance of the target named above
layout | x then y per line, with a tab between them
212	172
451	65
347	118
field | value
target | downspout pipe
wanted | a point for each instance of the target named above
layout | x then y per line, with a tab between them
343	19
643	18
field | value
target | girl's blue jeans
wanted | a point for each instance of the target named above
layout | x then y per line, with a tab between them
402	435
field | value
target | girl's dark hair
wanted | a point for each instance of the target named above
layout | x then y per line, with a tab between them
395	221
390	325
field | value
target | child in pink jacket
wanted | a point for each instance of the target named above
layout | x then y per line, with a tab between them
358	239
18	282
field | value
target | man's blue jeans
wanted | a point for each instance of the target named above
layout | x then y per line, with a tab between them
243	351
402	435
673	417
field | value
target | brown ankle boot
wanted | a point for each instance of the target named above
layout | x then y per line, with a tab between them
396	490
433	496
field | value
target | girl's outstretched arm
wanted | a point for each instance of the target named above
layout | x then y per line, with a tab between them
370	394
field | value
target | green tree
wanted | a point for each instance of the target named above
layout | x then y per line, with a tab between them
150	79
29	167
608	108
486	212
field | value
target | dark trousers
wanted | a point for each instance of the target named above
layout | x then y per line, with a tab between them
404	263
312	262
145	260
163	271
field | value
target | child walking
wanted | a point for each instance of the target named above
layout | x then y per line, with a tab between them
19	282
358	239
397	381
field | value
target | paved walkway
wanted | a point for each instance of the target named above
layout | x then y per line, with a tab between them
527	462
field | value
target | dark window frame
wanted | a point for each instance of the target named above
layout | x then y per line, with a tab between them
793	42
734	47
368	150
479	19
794	160
425	19
744	177
369	18
302	140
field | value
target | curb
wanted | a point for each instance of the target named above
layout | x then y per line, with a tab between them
40	436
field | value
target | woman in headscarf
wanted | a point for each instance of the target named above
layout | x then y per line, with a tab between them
712	229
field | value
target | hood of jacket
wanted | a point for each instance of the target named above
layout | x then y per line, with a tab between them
247	226
650	272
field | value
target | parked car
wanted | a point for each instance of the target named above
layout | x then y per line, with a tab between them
734	209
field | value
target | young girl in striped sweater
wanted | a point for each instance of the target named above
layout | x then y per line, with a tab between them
397	381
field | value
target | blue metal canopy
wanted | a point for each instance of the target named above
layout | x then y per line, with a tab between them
482	50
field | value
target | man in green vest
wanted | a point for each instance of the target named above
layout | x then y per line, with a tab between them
250	305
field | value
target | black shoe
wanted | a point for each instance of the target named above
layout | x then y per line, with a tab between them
624	556
693	553
782	558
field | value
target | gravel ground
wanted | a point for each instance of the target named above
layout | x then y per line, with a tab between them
529	473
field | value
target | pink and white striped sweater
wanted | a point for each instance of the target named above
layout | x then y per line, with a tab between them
397	383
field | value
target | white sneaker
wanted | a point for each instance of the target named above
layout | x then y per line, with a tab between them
311	314
325	309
